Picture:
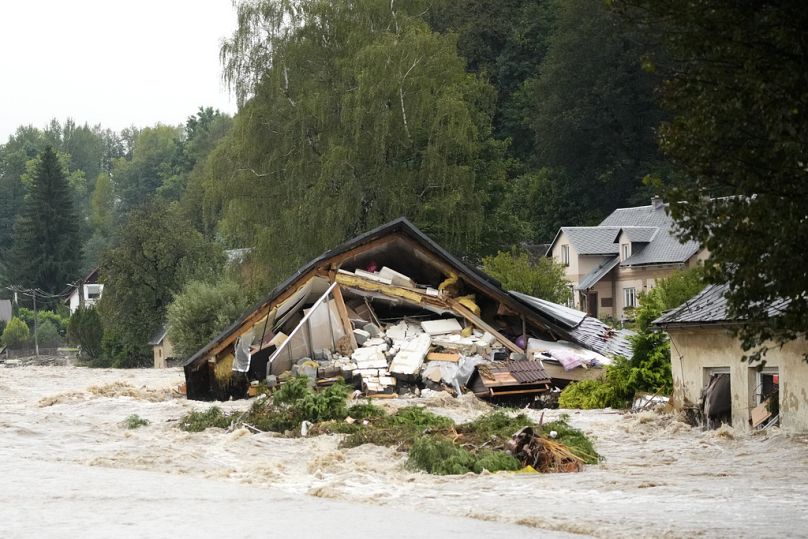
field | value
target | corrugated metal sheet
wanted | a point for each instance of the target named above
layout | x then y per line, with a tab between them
585	330
562	314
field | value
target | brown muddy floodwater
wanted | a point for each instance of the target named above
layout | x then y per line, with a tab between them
70	469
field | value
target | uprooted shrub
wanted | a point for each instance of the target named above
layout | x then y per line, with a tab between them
284	410
435	443
442	457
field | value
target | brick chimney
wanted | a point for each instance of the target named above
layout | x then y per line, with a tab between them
656	202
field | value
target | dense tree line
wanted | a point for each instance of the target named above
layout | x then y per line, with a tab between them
488	124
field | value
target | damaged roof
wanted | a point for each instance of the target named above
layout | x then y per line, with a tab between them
582	328
399	228
708	307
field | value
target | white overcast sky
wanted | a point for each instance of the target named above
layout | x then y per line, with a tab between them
111	62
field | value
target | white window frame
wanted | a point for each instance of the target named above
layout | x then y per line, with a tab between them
629	297
625	250
565	255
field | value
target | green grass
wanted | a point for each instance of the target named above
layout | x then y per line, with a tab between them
134	421
199	421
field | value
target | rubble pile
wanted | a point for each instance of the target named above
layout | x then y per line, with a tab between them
405	356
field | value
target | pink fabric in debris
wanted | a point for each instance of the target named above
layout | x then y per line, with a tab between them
568	360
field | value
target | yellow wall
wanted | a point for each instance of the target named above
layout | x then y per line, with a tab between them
694	350
162	352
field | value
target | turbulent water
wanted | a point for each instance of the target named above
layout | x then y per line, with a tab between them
70	467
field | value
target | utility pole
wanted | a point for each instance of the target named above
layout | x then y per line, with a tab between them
36	340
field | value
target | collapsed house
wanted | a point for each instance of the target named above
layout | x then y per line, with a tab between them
391	312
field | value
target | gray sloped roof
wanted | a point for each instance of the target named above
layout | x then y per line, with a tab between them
592	240
641	234
664	247
707	307
582	328
159	335
592	278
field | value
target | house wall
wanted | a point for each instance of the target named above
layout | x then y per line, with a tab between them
162	352
579	266
74	298
642	279
694	350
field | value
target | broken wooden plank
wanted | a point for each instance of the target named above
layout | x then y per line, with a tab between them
441	356
356	281
342	310
481	324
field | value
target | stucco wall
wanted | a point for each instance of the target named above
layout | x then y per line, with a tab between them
695	350
162	352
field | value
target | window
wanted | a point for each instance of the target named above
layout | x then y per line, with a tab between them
629	298
625	250
93	291
571	297
565	255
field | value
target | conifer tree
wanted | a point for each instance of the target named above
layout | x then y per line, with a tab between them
47	248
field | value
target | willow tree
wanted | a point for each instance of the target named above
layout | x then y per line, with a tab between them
352	113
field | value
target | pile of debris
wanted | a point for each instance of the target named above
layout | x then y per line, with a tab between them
392	313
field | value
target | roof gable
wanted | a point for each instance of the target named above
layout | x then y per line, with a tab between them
592	240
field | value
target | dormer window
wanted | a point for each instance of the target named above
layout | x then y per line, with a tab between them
565	255
625	251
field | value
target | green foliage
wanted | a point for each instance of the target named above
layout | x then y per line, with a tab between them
86	331
134	421
494	429
16	333
542	278
592	111
47	249
213	417
649	368
442	457
157	253
734	86
202	310
372	116
59	321
155	162
366	411
575	440
47	335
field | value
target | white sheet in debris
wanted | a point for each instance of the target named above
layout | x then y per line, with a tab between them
535	346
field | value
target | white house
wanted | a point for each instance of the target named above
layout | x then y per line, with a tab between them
87	291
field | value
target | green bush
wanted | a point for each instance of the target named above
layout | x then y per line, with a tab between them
47	335
201	311
16	333
59	321
199	421
649	368
442	457
134	421
577	442
86	331
543	278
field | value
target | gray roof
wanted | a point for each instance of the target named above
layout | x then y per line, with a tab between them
582	328
708	307
640	234
159	335
5	310
663	248
592	278
592	240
